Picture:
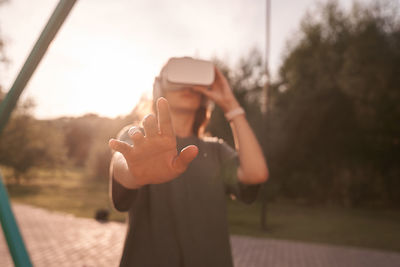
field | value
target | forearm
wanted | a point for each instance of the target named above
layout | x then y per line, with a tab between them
121	173
120	193
253	168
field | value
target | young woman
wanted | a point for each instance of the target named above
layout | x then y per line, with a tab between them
176	201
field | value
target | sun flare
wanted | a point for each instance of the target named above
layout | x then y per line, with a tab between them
111	78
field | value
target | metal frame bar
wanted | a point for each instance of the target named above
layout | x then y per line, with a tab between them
11	231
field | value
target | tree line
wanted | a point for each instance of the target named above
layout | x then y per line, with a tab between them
333	127
336	108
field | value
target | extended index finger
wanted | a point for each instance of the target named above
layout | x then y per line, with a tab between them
164	117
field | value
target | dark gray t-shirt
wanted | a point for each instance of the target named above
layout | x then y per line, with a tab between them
184	222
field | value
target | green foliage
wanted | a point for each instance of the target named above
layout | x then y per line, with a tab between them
86	139
99	157
27	142
335	131
79	136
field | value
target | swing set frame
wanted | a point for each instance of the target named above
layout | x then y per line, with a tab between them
11	231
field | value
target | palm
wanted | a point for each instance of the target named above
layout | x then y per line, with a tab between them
152	162
153	158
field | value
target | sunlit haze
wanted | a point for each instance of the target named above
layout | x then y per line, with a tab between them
107	52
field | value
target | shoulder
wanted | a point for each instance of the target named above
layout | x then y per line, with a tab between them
212	139
215	141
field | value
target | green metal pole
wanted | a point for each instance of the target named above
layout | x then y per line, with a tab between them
13	237
11	231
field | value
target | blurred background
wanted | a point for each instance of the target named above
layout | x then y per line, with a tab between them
328	121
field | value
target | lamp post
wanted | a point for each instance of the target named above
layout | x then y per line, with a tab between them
266	108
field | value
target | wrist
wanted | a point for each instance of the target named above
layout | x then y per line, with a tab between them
122	174
126	179
230	105
234	113
132	183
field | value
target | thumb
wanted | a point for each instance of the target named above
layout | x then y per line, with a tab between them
186	156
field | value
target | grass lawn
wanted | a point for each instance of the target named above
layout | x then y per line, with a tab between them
68	191
71	192
378	229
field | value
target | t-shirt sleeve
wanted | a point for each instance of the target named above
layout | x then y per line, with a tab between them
122	198
229	159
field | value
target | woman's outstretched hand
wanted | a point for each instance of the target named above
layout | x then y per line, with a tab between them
153	158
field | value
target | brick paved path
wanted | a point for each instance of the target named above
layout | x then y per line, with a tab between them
56	239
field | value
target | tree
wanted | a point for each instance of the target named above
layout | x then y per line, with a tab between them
335	115
27	142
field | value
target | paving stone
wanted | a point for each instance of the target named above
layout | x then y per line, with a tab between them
62	240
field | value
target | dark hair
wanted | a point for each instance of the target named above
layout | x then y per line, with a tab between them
201	119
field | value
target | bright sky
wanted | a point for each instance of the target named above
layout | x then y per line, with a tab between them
108	52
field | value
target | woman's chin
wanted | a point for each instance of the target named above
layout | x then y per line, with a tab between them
185	108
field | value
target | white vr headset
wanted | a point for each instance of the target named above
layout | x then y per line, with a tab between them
183	72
